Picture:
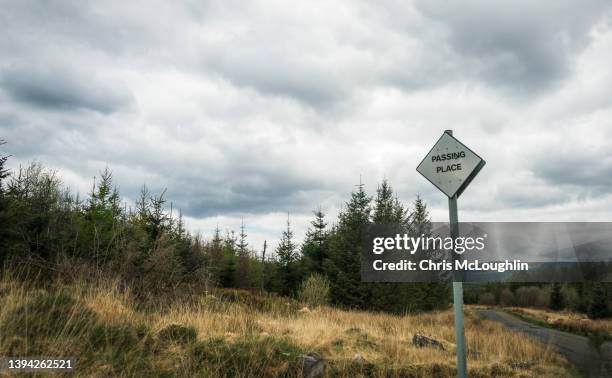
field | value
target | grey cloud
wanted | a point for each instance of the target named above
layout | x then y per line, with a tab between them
520	45
588	170
276	72
63	89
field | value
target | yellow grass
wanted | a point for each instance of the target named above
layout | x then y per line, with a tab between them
383	340
569	320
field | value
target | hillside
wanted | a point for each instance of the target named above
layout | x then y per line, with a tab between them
237	333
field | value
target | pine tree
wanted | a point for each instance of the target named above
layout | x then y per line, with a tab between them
419	220
343	267
384	205
315	246
287	257
243	271
599	302
228	270
556	298
427	295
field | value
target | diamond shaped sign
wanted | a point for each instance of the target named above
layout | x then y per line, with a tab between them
450	165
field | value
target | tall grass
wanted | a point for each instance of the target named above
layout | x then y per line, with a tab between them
236	333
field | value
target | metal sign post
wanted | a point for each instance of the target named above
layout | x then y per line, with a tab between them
451	166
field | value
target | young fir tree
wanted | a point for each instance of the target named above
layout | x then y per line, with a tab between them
103	216
287	258
556	298
391	216
598	307
428	295
243	271
315	246
419	220
227	275
343	267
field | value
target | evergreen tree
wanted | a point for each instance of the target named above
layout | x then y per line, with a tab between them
228	270
315	246
428	295
556	298
103	215
419	220
243	268
599	302
287	257
343	267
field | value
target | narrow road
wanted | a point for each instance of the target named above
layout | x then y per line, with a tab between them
577	349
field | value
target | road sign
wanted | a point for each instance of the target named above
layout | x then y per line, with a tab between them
450	165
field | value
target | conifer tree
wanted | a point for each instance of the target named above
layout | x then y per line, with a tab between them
287	257
343	267
315	246
556	298
599	302
243	271
228	270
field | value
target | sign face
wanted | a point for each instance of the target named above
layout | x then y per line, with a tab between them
450	165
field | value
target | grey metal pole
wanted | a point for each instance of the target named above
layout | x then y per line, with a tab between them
457	292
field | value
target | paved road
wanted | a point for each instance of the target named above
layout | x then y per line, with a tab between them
577	349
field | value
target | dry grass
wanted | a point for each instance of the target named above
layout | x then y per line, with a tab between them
271	332
571	321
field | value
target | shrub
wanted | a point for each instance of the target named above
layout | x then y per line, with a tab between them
506	298
532	296
572	300
486	299
315	290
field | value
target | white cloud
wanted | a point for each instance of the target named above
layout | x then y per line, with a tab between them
255	110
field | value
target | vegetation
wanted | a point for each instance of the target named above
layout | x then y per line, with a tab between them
233	332
148	248
315	290
129	291
592	299
598	329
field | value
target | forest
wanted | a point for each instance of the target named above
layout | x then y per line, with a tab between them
46	231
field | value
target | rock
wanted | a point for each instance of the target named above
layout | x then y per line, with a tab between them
358	358
312	365
422	341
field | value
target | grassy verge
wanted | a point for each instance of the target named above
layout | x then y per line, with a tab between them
583	327
239	334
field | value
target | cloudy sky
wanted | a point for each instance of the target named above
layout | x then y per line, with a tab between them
253	109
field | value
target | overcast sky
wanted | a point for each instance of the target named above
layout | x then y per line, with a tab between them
253	109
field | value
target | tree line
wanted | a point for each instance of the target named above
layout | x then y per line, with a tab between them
47	228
